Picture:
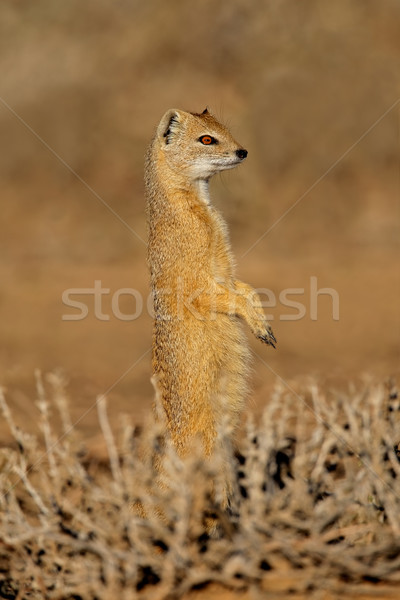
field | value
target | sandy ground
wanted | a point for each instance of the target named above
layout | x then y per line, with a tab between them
112	356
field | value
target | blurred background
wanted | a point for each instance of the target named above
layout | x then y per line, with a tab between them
311	89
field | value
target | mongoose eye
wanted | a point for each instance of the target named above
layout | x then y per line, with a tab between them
207	140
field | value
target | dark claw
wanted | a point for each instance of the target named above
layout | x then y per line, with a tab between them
267	339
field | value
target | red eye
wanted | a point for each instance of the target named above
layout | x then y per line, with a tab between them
206	140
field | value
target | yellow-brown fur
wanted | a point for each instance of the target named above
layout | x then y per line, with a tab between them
200	354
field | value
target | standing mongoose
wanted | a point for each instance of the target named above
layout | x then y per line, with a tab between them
200	354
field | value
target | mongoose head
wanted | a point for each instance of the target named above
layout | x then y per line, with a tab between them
196	145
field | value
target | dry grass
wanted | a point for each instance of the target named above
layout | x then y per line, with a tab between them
317	504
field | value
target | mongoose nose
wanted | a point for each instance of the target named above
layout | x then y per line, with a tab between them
242	153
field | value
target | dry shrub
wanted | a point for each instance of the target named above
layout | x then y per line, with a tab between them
317	503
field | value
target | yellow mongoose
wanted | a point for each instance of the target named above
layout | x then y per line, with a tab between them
200	354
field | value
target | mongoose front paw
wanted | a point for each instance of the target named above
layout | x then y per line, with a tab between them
268	337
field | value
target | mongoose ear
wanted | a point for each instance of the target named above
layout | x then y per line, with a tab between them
168	126
205	111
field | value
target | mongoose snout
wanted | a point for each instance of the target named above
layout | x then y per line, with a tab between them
242	153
